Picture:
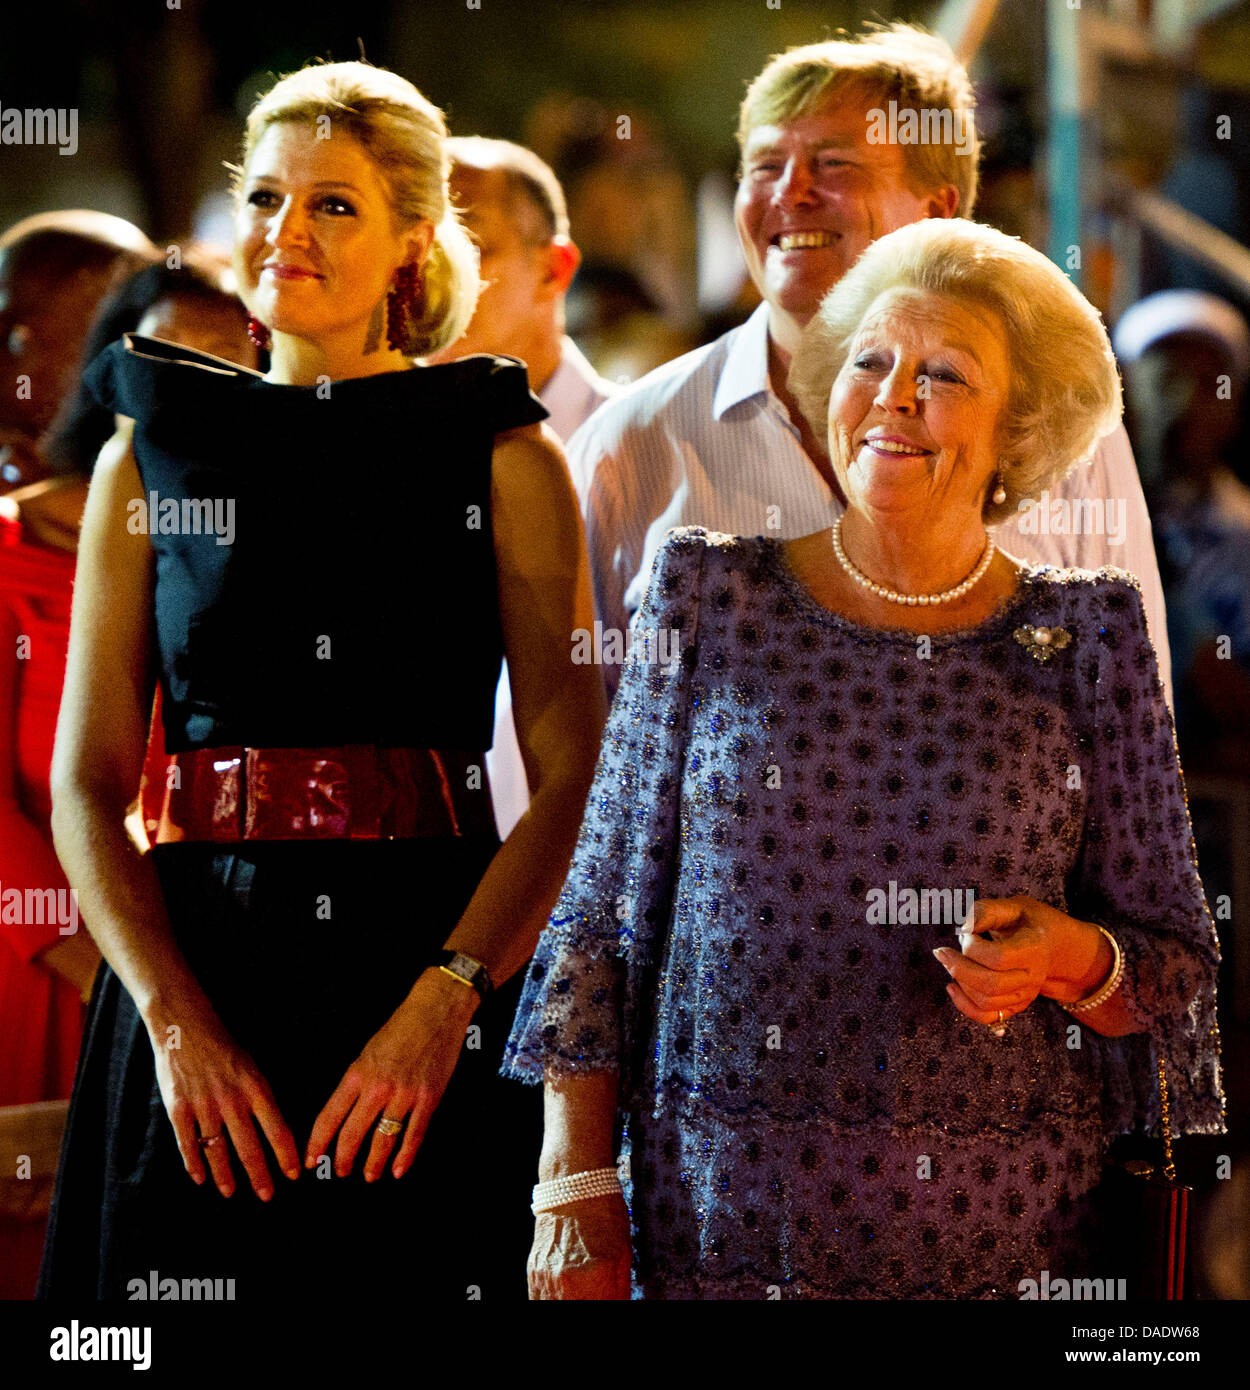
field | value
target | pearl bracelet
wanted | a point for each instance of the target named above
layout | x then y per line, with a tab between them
597	1182
1102	994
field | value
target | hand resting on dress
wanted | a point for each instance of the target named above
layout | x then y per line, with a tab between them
1017	948
211	1086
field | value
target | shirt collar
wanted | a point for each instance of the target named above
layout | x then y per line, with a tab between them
745	373
571	377
574	390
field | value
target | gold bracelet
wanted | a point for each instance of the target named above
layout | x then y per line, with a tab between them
1108	987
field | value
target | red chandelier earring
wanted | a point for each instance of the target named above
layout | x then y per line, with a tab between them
258	333
405	303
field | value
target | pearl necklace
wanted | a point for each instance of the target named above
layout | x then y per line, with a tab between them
892	595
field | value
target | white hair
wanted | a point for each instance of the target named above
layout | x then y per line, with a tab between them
1064	392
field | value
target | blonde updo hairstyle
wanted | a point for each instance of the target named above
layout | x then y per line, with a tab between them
405	136
1064	392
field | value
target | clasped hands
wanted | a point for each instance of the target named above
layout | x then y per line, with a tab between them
212	1091
1015	949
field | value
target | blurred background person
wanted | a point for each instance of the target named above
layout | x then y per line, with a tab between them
194	304
514	209
1186	357
631	305
46	976
55	268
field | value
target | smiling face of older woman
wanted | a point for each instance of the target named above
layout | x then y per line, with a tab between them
915	410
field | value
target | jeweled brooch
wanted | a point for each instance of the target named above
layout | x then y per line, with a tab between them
1042	642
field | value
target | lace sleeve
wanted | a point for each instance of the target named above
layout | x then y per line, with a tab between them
1138	877
576	1011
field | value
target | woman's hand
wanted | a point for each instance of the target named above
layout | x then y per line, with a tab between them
1017	948
581	1251
401	1075
210	1087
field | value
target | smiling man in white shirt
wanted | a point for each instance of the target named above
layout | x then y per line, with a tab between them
715	438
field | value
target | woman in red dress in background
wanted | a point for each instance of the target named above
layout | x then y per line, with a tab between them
45	974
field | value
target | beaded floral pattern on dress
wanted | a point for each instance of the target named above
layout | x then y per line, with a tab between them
806	1110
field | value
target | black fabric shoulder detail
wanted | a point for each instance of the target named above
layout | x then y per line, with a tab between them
505	388
97	378
135	376
135	347
133	371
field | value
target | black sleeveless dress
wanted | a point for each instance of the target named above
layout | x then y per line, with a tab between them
355	604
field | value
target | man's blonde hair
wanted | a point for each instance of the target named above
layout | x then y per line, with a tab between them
893	62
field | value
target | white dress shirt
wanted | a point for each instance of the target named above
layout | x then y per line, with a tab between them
574	393
704	441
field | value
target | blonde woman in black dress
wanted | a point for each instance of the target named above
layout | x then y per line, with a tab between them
289	1075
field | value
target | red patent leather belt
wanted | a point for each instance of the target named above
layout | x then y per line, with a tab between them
359	792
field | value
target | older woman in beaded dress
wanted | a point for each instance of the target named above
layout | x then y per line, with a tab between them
827	1089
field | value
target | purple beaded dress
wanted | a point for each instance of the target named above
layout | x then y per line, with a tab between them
804	1108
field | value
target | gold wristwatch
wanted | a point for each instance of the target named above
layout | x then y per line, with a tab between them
467	970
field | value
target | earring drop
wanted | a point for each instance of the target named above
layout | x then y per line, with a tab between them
258	333
1000	493
405	303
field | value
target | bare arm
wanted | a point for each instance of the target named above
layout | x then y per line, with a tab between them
1080	971
1036	950
579	1123
580	987
581	1249
100	738
544	594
